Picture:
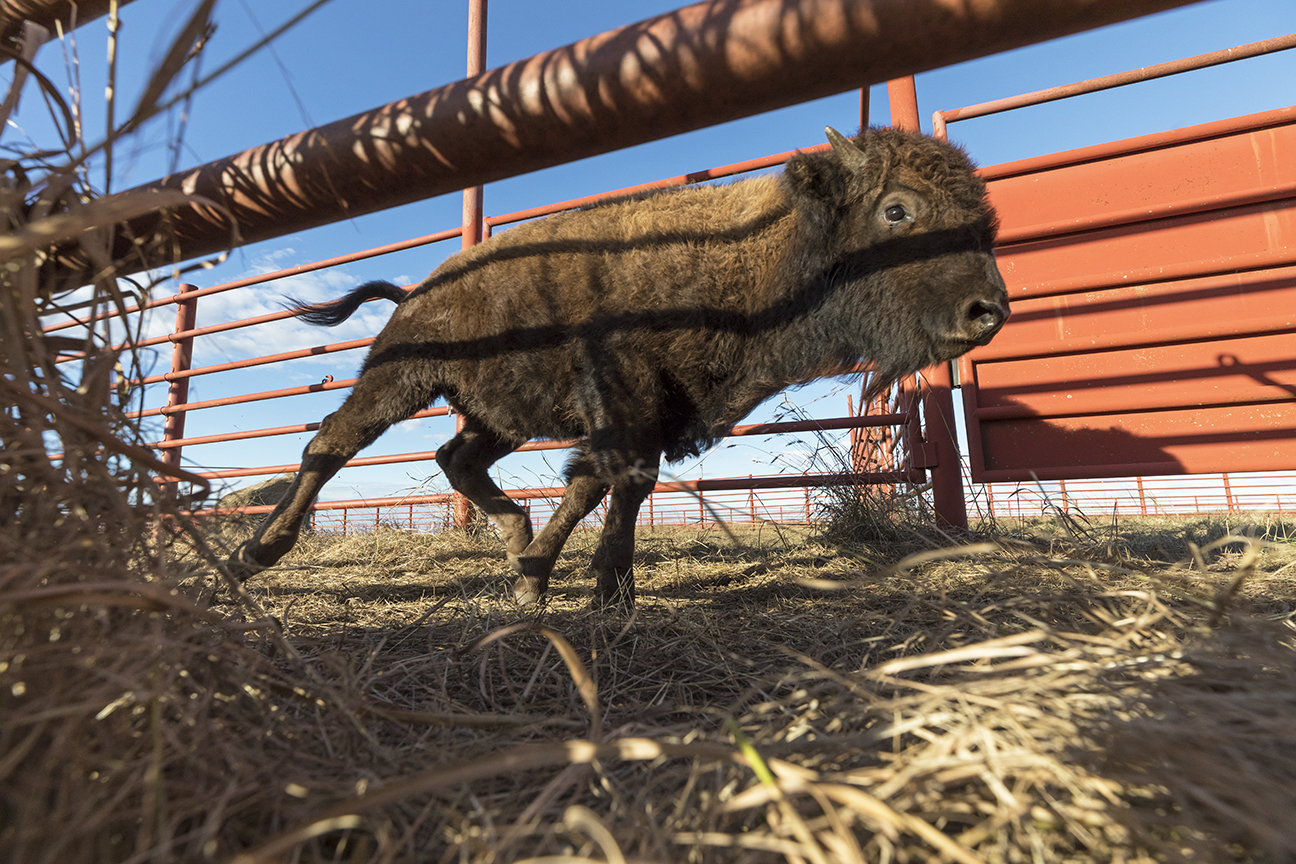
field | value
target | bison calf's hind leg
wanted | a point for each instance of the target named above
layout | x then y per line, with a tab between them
465	459
381	397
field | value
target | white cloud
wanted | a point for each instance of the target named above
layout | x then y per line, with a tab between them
278	336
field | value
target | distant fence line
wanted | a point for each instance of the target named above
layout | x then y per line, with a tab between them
1137	496
1141	496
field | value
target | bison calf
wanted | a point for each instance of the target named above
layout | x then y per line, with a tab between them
649	325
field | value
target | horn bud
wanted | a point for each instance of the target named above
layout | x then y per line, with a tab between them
849	153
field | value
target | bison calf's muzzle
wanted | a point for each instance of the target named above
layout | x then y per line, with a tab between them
648	326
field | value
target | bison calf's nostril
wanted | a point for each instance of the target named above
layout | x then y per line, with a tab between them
986	312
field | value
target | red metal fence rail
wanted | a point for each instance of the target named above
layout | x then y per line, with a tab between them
1094	502
1268	495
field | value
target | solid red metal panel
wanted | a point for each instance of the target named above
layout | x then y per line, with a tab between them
1153	285
1221	241
1203	175
1184	441
1218	372
1211	307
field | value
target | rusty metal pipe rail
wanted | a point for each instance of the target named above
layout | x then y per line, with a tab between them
271	432
1107	82
695	67
316	351
243	399
49	14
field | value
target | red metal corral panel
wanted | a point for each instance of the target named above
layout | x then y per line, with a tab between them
1153	285
1253	160
1240	238
1184	441
1211	307
1218	372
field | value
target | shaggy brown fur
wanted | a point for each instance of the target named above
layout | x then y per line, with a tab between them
650	325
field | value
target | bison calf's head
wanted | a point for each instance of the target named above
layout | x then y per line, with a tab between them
648	326
910	237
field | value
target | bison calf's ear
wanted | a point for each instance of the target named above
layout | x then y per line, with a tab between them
822	178
816	180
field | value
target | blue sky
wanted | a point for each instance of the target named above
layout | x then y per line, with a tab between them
353	55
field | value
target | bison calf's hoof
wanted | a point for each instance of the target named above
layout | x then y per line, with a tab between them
241	565
528	590
615	592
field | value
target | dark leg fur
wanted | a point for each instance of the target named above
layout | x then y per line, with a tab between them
584	491
631	476
383	396
613	565
465	459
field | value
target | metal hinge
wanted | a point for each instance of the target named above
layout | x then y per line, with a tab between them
925	456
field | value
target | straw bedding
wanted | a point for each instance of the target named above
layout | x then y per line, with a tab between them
774	698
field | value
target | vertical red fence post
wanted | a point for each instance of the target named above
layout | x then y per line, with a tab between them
947	479
472	202
178	389
1228	493
1142	497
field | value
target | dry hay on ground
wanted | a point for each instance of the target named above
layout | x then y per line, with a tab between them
1054	697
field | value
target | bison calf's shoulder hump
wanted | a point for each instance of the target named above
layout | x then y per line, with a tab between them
649	325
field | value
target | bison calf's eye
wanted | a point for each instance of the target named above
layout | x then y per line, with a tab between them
895	214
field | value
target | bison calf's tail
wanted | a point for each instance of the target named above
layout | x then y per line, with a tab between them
334	312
